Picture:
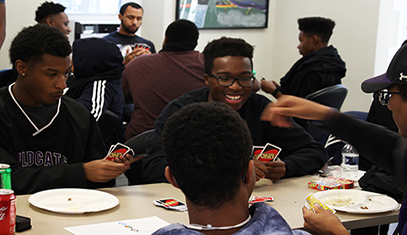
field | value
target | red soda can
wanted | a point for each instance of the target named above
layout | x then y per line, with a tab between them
7	211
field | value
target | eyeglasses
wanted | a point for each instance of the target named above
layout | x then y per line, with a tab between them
385	95
225	81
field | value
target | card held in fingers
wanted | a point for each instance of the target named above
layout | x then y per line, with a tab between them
270	153
257	151
117	151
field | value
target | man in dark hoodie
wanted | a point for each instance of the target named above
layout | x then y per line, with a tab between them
320	67
97	84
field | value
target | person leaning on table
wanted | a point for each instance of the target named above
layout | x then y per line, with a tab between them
208	148
384	147
49	140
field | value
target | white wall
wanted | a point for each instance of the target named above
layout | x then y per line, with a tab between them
275	47
354	36
19	14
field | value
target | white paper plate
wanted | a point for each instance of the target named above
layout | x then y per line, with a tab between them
356	201
73	201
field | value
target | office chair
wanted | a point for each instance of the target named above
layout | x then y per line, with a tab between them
139	146
332	96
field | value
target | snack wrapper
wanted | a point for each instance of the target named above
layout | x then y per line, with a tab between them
329	183
311	201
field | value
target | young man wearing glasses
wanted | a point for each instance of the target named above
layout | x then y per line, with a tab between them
229	79
385	148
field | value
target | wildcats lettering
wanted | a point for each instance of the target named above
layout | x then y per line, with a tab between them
30	158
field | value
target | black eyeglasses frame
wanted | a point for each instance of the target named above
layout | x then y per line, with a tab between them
234	79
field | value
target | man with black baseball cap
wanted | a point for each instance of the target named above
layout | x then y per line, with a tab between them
393	84
385	148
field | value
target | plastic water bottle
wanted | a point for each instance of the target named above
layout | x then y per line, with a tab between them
350	162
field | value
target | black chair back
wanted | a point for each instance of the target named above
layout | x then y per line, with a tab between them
332	96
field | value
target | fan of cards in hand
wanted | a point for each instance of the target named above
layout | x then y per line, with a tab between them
266	153
119	150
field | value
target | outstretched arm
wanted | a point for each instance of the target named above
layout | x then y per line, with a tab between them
290	106
370	140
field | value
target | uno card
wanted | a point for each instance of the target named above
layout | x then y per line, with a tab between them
269	153
141	46
257	151
254	199
171	204
311	201
118	150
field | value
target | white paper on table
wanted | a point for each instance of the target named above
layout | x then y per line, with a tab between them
135	226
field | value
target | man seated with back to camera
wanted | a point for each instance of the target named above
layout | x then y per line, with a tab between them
97	81
152	81
208	148
229	79
49	140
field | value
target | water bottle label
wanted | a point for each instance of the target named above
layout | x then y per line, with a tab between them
351	160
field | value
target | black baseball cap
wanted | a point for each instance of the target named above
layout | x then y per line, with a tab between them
396	73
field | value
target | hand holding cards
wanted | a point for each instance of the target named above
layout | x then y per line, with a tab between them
119	152
267	153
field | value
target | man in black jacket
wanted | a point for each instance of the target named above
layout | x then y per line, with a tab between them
320	67
229	79
49	140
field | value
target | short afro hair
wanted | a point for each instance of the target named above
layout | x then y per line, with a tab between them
207	146
46	9
226	47
322	27
182	32
33	42
132	4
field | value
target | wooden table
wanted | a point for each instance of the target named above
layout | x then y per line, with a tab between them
137	202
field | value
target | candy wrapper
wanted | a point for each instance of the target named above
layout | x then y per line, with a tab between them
311	201
171	204
329	183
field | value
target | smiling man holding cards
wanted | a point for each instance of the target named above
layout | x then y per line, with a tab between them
229	79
